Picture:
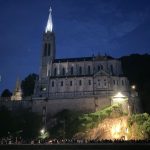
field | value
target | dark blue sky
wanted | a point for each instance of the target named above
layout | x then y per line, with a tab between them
82	27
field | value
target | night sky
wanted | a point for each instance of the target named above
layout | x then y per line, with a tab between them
82	28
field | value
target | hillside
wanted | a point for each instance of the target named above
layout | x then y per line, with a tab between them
108	123
137	68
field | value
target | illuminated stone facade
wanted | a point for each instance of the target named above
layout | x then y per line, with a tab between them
96	76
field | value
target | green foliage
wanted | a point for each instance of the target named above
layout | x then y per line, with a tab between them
141	124
69	123
28	84
6	93
19	123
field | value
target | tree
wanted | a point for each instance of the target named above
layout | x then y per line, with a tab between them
6	93
135	67
28	84
21	122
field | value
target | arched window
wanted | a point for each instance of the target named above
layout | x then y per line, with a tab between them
99	82
55	71
71	71
45	50
62	83
63	71
80	70
89	70
49	49
89	82
122	82
80	82
99	68
52	83
102	67
111	68
114	82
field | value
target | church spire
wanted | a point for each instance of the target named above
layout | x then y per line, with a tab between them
49	26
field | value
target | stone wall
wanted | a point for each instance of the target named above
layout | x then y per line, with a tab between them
84	105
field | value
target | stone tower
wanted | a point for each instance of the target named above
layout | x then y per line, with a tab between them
48	47
17	94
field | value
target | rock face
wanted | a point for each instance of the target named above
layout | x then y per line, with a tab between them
111	128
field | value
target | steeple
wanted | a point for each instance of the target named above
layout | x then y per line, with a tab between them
49	26
48	48
17	94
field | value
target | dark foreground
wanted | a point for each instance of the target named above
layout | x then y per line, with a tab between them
108	146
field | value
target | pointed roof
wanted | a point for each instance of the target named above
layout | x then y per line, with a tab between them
49	26
18	86
102	73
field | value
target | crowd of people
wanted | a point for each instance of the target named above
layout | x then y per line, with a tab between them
67	141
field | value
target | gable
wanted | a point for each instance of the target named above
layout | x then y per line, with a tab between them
101	73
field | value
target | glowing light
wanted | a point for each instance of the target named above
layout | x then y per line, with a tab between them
119	98
116	129
42	131
119	95
133	87
44	89
119	130
49	26
127	130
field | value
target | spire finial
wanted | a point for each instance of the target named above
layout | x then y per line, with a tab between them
50	9
49	26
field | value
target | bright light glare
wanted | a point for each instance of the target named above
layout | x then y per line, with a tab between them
42	131
133	87
119	95
116	129
119	98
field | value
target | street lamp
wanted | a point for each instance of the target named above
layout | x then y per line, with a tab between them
42	131
133	87
119	98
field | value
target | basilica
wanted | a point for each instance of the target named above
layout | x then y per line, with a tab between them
98	76
84	84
